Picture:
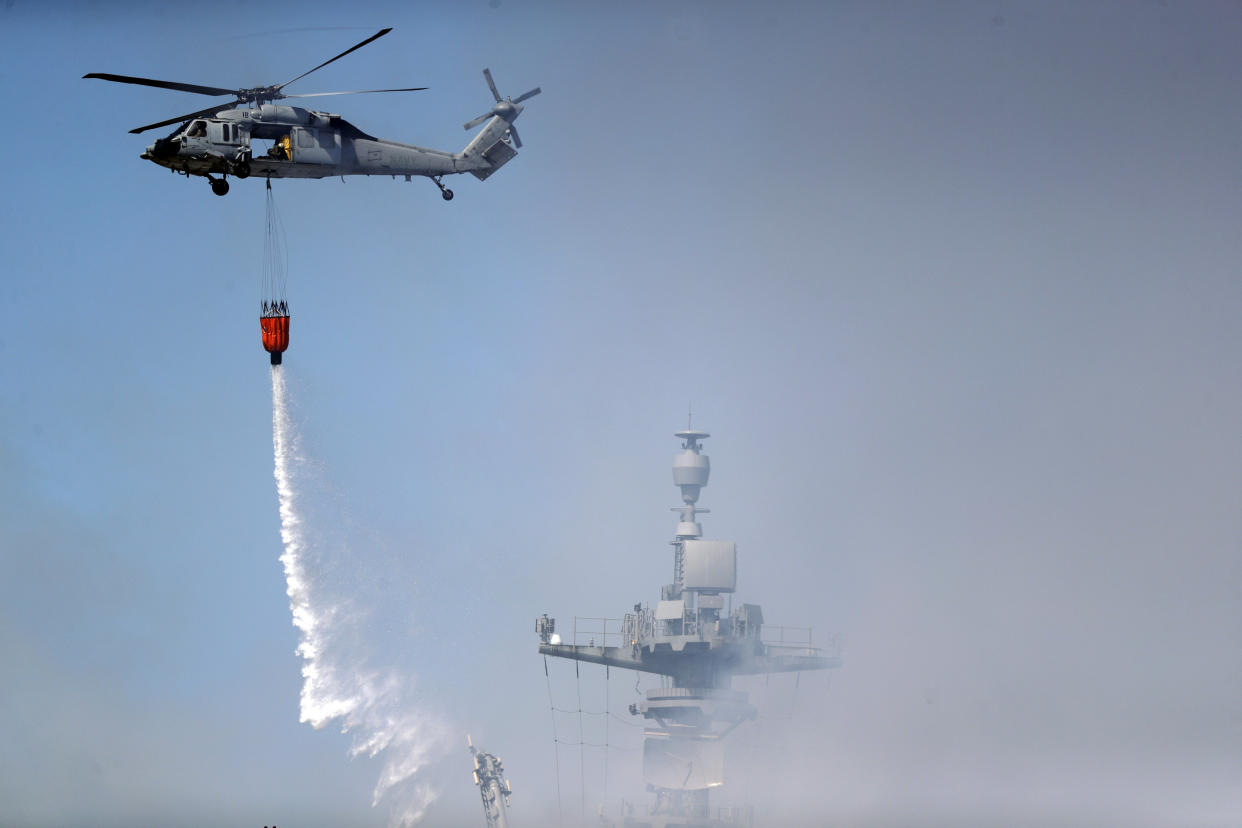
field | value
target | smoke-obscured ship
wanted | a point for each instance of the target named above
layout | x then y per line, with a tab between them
698	639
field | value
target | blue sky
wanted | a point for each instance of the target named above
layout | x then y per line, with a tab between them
954	286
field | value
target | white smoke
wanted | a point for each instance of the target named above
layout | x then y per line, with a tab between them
375	706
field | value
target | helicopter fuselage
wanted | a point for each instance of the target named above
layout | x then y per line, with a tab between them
219	139
309	144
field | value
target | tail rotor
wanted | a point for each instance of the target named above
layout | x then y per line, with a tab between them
506	108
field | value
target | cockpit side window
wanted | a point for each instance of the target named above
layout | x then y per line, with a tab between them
198	129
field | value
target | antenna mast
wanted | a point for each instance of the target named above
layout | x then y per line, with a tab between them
489	775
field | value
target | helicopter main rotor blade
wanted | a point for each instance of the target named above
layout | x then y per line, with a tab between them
517	141
211	110
180	87
532	93
373	37
356	92
491	84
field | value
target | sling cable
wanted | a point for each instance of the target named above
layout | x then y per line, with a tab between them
274	310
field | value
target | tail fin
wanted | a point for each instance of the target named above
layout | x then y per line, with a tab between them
490	149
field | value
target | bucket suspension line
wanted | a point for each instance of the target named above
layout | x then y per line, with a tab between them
275	254
273	306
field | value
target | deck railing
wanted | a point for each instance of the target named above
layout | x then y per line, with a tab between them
591	631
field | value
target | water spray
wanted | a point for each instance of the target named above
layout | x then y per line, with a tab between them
338	683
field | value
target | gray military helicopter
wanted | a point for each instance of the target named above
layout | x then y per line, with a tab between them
219	139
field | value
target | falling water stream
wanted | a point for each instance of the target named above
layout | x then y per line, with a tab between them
339	682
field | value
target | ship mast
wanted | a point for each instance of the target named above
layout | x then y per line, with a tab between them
697	642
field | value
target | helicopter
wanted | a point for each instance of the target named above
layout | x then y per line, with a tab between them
219	140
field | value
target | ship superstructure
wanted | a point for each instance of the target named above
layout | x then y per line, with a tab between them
698	639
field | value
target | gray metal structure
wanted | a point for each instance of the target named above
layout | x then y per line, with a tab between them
217	140
698	639
489	775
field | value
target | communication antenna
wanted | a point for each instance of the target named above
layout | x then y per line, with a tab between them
489	775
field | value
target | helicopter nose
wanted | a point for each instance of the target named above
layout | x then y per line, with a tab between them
165	148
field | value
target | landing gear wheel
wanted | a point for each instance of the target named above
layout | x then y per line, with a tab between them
219	186
445	192
242	169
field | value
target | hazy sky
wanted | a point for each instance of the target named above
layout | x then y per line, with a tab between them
955	287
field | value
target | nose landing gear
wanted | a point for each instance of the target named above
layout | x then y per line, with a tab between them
445	192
